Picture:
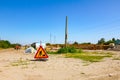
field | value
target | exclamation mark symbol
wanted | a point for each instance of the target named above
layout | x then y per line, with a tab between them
40	53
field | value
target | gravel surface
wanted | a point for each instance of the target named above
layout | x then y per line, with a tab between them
16	65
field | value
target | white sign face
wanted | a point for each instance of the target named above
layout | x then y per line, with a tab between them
42	44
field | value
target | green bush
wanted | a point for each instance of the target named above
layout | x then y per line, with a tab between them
62	50
72	50
4	44
80	51
67	50
16	44
48	52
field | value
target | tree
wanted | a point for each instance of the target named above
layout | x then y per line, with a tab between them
75	43
86	43
101	41
117	42
16	44
113	39
108	42
5	44
48	44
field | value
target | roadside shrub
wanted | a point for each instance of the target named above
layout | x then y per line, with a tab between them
80	51
72	50
4	44
62	50
67	50
14	45
48	52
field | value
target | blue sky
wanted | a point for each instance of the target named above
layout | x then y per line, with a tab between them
27	21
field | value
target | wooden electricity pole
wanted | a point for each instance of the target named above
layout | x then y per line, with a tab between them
66	31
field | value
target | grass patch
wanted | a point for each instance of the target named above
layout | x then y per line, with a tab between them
71	52
86	63
50	52
89	56
20	62
0	48
116	58
65	50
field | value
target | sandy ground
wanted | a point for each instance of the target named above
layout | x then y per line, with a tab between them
56	67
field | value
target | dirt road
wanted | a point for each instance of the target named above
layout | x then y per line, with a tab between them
16	65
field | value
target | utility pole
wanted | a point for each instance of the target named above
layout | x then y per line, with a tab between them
54	39
66	31
50	39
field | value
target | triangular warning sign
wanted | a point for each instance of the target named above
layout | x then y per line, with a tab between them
41	53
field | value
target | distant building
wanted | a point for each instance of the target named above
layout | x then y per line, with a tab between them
117	44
